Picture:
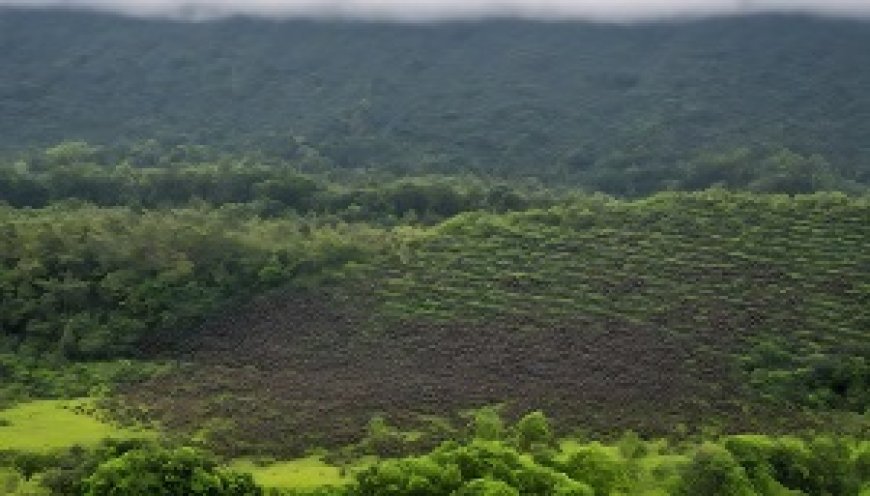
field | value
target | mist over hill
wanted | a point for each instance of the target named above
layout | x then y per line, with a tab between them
559	99
441	10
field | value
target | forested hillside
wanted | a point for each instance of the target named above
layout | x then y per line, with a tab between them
625	109
492	258
716	300
263	313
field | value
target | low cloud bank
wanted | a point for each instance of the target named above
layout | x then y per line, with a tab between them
430	10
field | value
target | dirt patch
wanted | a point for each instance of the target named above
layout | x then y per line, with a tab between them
291	369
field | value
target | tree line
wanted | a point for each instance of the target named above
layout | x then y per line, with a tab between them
78	171
492	459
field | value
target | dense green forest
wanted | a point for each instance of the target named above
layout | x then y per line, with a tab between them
489	258
623	109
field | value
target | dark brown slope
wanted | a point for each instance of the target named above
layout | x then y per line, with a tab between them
291	370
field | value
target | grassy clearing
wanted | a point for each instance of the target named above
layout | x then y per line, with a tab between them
303	473
45	425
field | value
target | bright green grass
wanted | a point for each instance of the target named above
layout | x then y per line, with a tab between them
51	424
304	473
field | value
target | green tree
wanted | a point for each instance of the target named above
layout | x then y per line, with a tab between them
486	487
71	152
486	424
163	472
598	468
713	471
534	429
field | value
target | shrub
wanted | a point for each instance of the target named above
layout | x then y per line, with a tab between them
532	429
480	468
417	476
713	471
167	472
487	424
598	468
486	487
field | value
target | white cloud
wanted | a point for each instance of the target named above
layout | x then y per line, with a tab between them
454	9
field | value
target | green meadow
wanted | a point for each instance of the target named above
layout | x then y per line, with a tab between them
46	425
303	473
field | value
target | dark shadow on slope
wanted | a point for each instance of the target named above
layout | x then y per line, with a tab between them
291	370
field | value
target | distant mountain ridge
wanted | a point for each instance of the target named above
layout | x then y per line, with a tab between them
556	98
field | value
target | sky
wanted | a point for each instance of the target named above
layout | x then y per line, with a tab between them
425	10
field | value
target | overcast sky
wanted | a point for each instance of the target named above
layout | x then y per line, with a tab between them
451	9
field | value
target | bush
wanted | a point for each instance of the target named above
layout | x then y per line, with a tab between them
480	468
167	472
487	424
417	476
598	468
713	471
534	429
753	454
486	487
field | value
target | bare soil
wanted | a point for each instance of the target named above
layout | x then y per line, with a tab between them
290	370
